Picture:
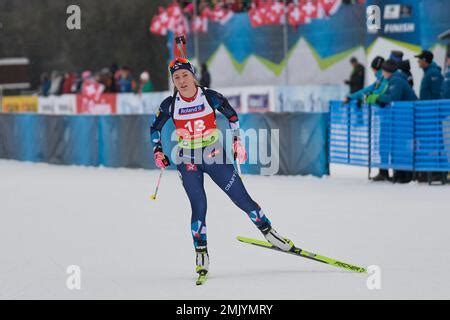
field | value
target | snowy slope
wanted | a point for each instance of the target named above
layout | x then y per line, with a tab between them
131	247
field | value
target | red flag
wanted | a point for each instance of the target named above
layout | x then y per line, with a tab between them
206	13
256	19
174	10
220	14
275	12
181	26
175	16
310	9
329	7
227	16
263	9
199	24
163	17
295	15
160	23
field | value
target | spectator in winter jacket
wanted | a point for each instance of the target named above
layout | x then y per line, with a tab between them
356	81
56	85
106	79
446	82
145	84
431	85
69	78
398	89
125	82
369	94
45	84
405	67
375	87
397	56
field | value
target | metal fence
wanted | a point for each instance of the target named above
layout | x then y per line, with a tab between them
412	136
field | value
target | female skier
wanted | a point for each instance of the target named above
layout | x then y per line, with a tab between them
192	109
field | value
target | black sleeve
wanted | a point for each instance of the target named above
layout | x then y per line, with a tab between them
161	118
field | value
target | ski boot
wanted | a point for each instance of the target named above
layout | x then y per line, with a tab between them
383	175
276	240
202	264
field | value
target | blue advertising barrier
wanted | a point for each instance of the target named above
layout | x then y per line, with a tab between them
301	140
410	136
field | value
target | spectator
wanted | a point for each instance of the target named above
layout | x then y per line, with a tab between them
113	71
446	82
125	84
369	94
430	89
397	56
56	83
45	84
205	80
68	81
405	68
398	89
77	83
146	84
376	87
431	85
356	81
106	79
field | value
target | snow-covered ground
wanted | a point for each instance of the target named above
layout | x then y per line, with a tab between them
128	246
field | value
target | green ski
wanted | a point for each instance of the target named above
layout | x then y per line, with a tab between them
305	254
201	278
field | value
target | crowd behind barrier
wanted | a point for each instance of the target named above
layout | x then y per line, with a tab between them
244	99
407	136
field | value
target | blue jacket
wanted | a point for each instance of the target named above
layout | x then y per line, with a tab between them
398	89
124	85
431	86
446	85
376	87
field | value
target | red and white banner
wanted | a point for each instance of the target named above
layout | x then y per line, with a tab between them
93	101
106	104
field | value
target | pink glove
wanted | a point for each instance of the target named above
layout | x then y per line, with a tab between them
239	151
161	160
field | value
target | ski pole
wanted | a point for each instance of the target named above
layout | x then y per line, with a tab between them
153	196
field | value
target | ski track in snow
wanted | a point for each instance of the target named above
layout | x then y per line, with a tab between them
130	247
